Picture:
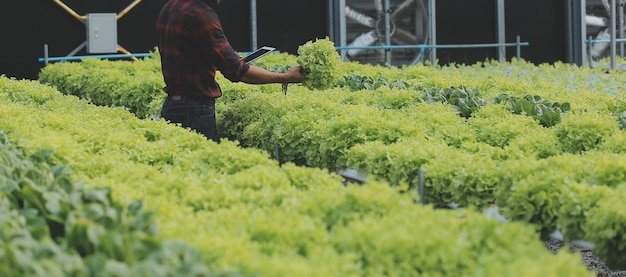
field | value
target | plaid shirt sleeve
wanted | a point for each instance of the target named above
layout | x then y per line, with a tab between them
218	50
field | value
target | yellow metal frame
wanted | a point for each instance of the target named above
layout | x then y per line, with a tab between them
82	18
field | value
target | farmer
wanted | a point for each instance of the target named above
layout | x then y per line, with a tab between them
192	46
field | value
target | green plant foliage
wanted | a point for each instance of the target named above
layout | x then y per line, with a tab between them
501	132
136	86
359	82
320	62
614	143
53	226
461	177
397	162
584	131
391	252
603	226
465	101
539	143
547	112
576	201
262	219
534	135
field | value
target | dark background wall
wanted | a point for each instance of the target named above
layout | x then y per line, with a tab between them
466	22
539	22
26	25
542	24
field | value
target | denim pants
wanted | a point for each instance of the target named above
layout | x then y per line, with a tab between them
195	113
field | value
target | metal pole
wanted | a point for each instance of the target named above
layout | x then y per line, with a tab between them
519	48
501	30
45	53
569	32
342	27
432	25
277	153
621	27
580	10
589	46
612	31
420	185
78	48
387	10
576	31
253	25
331	20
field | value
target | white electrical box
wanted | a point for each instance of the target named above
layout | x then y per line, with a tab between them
101	33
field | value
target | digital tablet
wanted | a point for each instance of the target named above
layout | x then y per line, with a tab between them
258	53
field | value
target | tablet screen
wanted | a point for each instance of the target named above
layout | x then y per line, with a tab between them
258	53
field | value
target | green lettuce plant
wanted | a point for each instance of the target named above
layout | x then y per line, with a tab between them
320	63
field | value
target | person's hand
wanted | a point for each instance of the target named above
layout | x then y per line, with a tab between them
295	74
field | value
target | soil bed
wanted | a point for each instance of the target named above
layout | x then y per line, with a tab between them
592	262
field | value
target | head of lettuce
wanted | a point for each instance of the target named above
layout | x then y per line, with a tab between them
320	62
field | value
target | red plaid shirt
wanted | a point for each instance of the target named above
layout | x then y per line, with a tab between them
193	46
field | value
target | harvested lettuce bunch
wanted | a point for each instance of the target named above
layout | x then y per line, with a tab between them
320	62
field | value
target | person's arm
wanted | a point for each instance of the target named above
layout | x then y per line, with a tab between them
258	75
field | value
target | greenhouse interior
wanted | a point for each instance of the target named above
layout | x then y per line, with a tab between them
347	138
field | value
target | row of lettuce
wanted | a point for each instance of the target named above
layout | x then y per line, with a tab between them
139	192
513	134
55	226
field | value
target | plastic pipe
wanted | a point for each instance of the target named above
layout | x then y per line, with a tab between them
590	40
112	56
130	7
424	46
122	50
70	11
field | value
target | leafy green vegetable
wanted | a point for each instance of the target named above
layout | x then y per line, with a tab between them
547	112
320	62
465	101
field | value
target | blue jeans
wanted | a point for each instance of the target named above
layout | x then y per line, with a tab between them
195	113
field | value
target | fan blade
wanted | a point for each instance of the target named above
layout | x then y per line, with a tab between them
379	7
592	20
401	8
598	49
405	36
363	40
607	5
360	17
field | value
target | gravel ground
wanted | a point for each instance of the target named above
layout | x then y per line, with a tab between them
592	262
